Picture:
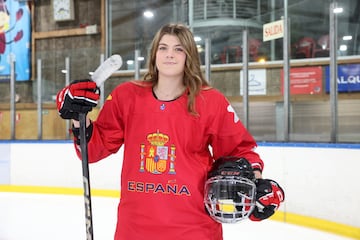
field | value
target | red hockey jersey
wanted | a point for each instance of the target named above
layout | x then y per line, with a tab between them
167	158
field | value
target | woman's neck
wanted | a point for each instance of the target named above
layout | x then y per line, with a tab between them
168	90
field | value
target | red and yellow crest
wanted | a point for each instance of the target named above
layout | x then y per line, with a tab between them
157	157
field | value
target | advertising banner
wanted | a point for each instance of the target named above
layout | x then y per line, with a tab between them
348	78
304	80
15	34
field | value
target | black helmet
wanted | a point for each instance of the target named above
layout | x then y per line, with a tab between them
230	190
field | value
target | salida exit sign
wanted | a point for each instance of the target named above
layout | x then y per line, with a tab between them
273	30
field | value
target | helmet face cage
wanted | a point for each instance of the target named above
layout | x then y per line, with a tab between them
229	199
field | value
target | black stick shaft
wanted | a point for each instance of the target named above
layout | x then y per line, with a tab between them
86	177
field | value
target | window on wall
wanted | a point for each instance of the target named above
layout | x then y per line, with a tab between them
132	25
310	28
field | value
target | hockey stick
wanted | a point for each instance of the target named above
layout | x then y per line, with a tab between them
102	73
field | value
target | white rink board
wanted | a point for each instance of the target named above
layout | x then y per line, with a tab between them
59	217
315	177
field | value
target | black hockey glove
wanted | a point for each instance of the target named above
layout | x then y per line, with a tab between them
269	195
79	97
88	133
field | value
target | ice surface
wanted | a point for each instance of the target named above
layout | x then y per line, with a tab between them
59	217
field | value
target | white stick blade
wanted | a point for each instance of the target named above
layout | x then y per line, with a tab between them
108	67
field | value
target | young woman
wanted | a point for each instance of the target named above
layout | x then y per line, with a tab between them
167	124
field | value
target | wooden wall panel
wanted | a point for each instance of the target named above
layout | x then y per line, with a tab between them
26	127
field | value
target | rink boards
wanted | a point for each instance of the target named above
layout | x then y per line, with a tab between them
319	179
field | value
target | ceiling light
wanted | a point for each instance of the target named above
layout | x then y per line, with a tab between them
197	39
148	14
338	10
343	48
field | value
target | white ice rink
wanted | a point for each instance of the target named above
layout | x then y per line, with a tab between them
44	217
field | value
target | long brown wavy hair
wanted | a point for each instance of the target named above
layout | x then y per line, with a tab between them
193	77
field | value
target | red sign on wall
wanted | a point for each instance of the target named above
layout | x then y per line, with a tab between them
307	80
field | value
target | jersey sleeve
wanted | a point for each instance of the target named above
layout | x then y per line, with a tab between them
108	129
229	137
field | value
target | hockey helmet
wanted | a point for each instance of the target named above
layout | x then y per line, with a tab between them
230	190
